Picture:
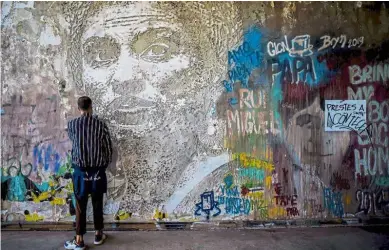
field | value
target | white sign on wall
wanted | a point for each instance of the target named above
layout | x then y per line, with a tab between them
345	115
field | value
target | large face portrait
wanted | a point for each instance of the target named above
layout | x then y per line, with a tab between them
320	153
316	145
153	71
132	57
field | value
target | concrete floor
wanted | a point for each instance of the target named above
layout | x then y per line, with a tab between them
296	238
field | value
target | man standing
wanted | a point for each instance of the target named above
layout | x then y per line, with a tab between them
91	155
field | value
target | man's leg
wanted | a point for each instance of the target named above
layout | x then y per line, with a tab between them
98	219
78	242
81	206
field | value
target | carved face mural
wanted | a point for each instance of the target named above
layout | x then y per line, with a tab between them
144	67
132	56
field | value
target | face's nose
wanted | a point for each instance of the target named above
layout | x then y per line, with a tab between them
124	69
127	77
316	108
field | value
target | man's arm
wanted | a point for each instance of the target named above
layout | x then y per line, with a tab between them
70	130
108	143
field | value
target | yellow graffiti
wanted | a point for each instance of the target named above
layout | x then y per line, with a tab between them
227	144
58	201
276	212
255	195
268	182
69	187
188	219
33	217
43	196
248	161
159	215
52	192
259	205
122	215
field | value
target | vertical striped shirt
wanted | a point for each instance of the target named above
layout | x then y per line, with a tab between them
91	142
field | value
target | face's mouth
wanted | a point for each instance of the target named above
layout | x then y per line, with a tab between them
313	153
132	113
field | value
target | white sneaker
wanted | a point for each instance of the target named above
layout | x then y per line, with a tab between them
72	244
99	239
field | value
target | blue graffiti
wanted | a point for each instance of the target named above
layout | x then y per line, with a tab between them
17	188
229	180
298	70
2	112
299	64
233	101
233	203
232	191
333	202
252	173
228	85
15	177
47	157
244	59
290	69
207	205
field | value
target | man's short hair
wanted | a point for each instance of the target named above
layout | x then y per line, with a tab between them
84	103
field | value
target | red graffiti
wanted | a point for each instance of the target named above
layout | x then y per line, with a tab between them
363	181
244	191
292	211
339	183
277	188
283	200
293	92
285	171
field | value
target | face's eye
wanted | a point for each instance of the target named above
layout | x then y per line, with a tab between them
155	45
155	52
101	52
308	120
304	119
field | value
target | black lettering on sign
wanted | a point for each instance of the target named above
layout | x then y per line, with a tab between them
347	115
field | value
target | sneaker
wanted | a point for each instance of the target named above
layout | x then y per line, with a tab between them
72	244
99	239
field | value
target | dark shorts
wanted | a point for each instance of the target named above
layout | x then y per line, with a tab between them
89	181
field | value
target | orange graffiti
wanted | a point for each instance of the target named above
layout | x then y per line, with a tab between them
347	199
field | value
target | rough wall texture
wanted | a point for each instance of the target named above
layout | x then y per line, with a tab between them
218	110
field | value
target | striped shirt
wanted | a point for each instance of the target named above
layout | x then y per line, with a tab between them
91	142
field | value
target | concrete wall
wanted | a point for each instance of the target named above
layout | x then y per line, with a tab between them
218	110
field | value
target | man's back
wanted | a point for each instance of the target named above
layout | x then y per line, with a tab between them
91	142
91	155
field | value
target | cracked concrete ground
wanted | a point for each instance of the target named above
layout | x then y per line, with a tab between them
293	238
